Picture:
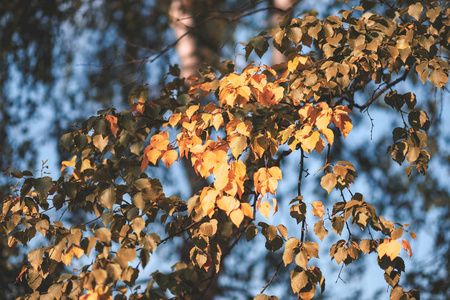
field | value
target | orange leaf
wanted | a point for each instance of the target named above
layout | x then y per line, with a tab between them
264	209
169	157
77	251
247	210
318	209
236	217
153	155
144	163
275	205
320	146
114	127
407	247
68	163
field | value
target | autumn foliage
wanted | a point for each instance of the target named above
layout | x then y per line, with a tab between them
253	120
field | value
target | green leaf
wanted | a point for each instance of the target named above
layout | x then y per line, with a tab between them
66	141
43	186
251	232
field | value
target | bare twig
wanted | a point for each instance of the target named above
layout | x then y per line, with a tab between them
273	276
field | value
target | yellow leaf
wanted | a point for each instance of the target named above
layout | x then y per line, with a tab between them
191	110
100	142
328	182
265	208
275	173
308	294
318	209
113	121
67	257
217	120
245	128
391	248
208	200
169	157
266	180
310	142
328	134
407	247
323	119
237	143
292	64
174	119
68	163
227	204
236	217
221	174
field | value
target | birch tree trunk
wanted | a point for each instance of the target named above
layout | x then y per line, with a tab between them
277	17
182	21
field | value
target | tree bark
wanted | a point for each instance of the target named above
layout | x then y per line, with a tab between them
182	21
277	17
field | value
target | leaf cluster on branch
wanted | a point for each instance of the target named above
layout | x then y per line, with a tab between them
263	114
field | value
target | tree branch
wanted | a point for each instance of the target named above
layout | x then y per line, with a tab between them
381	92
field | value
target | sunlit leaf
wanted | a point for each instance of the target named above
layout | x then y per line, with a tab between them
265	208
407	247
69	163
389	247
318	209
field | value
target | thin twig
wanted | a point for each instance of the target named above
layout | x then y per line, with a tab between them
180	231
273	276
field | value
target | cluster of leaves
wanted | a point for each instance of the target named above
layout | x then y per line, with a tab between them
262	115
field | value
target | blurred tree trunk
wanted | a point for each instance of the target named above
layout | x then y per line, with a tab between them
277	17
